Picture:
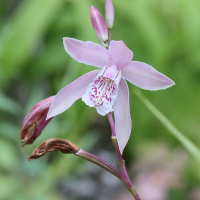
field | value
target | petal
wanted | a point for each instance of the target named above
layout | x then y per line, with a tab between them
101	93
120	53
111	72
69	94
123	123
105	109
145	76
87	100
88	53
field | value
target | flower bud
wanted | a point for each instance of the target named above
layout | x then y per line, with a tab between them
35	121
109	13
99	25
54	144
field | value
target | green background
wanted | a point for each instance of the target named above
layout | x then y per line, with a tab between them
34	66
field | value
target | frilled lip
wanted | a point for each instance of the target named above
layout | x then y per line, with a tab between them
102	91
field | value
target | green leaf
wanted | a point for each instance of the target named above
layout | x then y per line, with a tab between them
8	105
190	146
30	22
10	131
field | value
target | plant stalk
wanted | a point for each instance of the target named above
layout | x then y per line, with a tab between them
100	162
121	161
109	36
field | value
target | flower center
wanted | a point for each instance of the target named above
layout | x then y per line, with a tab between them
102	91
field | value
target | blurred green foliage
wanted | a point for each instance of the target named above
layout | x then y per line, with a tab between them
34	65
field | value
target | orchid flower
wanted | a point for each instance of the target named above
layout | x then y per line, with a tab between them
106	89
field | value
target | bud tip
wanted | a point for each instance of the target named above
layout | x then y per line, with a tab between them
109	10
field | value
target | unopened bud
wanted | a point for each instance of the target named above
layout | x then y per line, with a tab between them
99	25
110	13
54	144
35	121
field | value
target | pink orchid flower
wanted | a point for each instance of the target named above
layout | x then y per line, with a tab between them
106	89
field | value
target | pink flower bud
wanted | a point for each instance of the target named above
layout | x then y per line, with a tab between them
109	13
35	121
99	25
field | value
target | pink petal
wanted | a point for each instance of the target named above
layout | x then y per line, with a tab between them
69	94
88	53
145	76
123	123
120	53
105	109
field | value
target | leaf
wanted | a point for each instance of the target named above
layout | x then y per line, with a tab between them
28	26
10	131
190	146
8	157
8	105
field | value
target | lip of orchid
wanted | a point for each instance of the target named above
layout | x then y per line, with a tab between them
102	91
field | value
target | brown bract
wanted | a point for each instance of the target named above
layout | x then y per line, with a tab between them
54	144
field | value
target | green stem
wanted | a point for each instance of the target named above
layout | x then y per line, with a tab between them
188	144
109	36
